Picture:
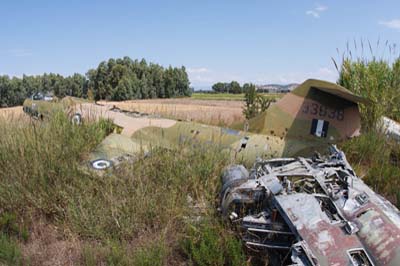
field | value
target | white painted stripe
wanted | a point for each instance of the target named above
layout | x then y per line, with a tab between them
320	126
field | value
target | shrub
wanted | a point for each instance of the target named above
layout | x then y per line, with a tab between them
208	243
254	103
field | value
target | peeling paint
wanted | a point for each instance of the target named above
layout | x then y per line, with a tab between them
321	204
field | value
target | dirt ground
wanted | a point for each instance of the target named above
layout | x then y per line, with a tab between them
213	112
47	247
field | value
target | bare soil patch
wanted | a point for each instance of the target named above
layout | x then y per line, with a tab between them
47	246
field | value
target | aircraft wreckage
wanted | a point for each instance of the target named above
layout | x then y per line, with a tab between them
308	119
311	211
298	210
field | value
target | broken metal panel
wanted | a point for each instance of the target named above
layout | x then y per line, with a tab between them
327	240
314	211
272	183
391	128
378	220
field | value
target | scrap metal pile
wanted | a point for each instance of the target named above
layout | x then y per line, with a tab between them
311	211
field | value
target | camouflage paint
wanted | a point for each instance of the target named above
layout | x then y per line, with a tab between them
285	129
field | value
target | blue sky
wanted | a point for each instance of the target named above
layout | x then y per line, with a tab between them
248	41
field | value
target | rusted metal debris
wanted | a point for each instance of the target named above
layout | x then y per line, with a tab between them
311	211
391	128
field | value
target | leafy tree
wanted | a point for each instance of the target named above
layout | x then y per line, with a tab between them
115	79
235	87
232	87
218	87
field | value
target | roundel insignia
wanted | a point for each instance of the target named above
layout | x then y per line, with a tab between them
101	164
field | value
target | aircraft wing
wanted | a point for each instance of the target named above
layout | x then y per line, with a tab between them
141	134
310	118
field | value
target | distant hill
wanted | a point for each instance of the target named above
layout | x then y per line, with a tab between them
273	88
278	88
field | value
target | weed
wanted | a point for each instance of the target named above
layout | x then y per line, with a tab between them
208	243
375	158
151	255
10	254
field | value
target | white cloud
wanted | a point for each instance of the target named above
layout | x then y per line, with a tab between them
313	13
326	73
316	11
392	24
197	70
205	77
320	8
323	73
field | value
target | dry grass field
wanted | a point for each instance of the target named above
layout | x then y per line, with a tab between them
12	113
214	112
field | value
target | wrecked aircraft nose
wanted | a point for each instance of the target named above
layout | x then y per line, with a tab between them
312	211
233	175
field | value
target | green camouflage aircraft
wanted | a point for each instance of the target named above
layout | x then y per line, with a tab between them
310	118
41	105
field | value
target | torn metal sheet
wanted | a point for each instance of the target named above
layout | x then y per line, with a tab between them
312	211
391	128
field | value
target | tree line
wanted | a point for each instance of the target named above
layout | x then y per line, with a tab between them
231	87
116	79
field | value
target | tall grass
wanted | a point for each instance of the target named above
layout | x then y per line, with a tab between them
10	253
142	213
377	160
374	76
374	73
38	161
